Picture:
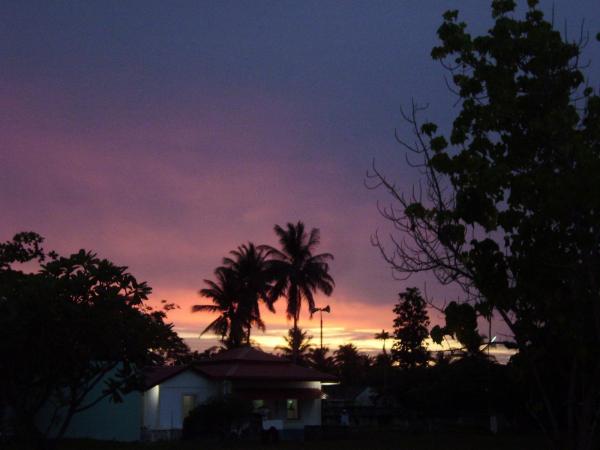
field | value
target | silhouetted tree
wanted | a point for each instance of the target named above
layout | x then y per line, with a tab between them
410	330
383	336
510	201
254	275
231	322
319	359
461	324
461	388
29	316
382	362
196	355
298	273
241	283
86	321
351	365
298	345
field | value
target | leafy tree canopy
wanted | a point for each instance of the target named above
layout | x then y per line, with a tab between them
74	324
461	324
241	283
299	273
352	366
410	330
510	208
298	345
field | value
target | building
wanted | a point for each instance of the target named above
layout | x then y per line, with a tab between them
287	395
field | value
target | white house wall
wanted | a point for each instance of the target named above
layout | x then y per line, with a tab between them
309	410
170	396
150	408
163	404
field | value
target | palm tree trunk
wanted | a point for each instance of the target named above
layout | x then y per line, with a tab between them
294	347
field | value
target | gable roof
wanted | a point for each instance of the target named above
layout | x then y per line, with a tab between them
246	354
244	363
158	375
248	363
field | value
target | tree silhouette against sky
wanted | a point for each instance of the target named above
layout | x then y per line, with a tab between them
298	273
298	345
509	201
241	284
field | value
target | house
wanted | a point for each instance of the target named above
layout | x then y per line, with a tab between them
287	395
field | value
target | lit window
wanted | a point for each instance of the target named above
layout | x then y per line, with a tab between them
292	408
188	403
258	404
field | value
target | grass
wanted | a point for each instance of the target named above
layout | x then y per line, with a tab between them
374	440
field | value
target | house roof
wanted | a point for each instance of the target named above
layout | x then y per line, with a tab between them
240	364
158	375
251	364
246	354
261	371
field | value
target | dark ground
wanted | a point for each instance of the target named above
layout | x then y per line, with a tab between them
375	440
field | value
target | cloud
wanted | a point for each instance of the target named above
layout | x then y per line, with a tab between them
169	197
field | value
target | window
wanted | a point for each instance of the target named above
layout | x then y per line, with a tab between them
291	406
188	403
260	408
258	404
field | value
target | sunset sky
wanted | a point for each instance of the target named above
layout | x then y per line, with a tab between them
164	134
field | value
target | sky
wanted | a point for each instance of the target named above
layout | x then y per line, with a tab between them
163	135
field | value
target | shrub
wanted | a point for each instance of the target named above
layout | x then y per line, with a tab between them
218	417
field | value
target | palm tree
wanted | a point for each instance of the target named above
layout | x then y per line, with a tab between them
383	336
254	276
298	344
352	365
383	360
319	359
298	273
242	282
224	294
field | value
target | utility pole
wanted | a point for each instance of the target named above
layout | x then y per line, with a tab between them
326	309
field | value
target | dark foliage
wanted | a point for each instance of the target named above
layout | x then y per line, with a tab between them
217	417
320	359
241	284
298	272
298	346
74	325
410	330
471	388
461	324
352	366
510	205
265	274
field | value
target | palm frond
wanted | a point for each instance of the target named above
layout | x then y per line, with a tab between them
322	257
219	326
314	238
272	252
308	294
208	308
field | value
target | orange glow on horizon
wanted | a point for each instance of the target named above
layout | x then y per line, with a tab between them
349	321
